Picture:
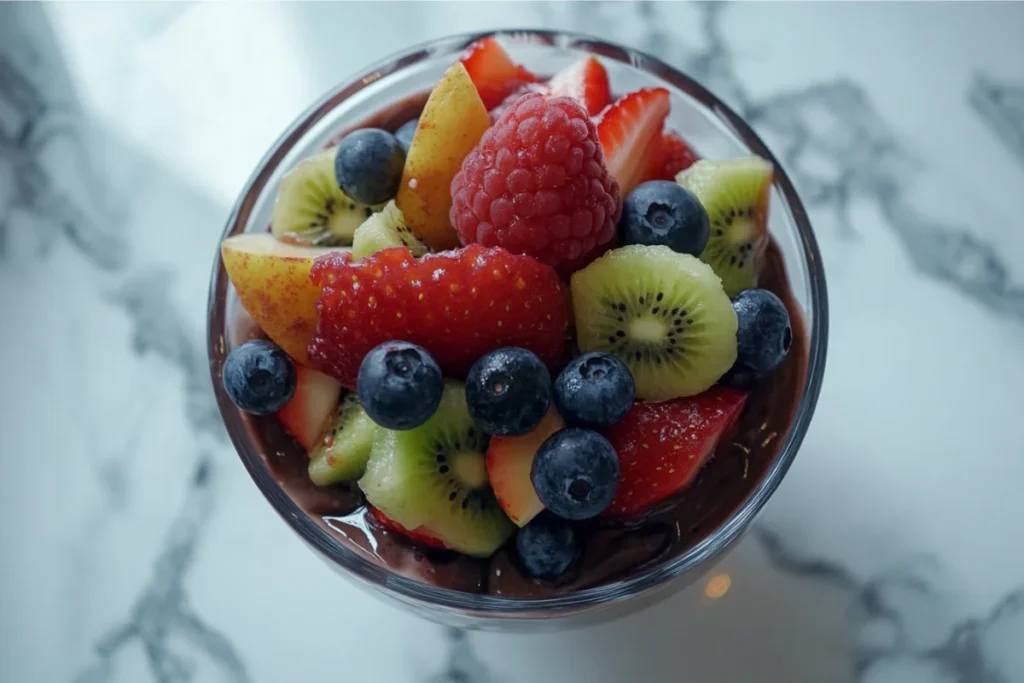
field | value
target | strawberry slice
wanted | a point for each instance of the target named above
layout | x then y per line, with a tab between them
586	82
419	536
662	446
668	155
457	304
316	397
493	72
626	130
509	459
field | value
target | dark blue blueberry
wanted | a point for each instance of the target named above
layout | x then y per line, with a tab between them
663	212
368	165
405	133
575	473
547	547
763	337
259	377
740	378
594	390
400	385
508	391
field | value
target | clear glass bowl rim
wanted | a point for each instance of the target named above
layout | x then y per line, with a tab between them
409	589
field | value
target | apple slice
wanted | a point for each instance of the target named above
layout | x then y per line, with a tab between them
315	399
272	281
509	459
452	123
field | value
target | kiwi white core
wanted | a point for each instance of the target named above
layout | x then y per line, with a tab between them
470	468
648	329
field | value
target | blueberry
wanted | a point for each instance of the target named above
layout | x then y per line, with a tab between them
575	473
259	377
547	547
594	390
740	378
763	336
368	165
400	385
663	212
508	391
405	133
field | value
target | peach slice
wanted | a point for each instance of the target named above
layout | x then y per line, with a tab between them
272	280
452	123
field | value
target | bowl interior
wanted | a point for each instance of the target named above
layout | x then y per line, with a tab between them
713	130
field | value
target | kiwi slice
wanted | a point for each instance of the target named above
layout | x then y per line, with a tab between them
344	449
386	229
662	313
435	476
311	209
735	193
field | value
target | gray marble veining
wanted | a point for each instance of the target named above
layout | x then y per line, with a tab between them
1001	105
906	629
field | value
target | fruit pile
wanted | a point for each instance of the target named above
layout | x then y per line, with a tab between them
531	306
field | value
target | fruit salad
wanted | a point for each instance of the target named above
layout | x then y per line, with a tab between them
529	333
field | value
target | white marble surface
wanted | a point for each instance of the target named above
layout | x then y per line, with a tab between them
136	548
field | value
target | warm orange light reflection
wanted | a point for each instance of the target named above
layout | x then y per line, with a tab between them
717	586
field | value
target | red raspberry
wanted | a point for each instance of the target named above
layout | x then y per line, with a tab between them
537	184
458	305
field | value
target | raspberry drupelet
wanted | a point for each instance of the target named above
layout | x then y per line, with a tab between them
537	184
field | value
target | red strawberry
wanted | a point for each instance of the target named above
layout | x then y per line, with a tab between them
662	446
493	72
456	304
512	98
316	396
668	155
626	130
586	82
419	536
509	459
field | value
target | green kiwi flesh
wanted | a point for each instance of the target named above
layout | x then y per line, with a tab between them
663	314
434	476
383	230
342	453
311	209
735	193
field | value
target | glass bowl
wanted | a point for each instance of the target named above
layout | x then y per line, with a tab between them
713	129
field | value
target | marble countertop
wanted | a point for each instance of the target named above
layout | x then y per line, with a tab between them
137	549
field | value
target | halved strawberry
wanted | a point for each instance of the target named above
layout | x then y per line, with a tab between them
457	304
493	72
662	446
586	82
419	536
667	155
626	130
316	397
509	459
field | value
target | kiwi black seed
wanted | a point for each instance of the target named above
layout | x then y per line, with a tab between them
342	453
435	476
662	313
311	209
735	193
384	229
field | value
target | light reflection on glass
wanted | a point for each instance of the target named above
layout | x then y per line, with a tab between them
717	586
